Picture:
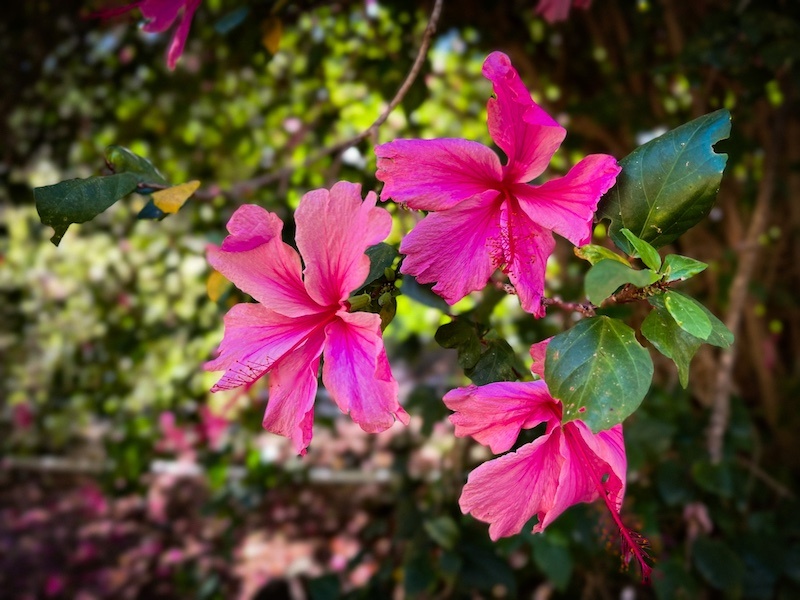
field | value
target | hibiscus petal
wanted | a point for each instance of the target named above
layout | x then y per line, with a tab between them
525	248
538	354
507	491
522	129
567	205
452	247
436	174
494	414
181	34
586	473
292	390
553	10
160	14
255	339
357	374
255	259
333	231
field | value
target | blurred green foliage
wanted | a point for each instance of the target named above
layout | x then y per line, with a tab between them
103	336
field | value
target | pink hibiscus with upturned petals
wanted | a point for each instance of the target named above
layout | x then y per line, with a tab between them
567	465
553	11
484	215
302	316
160	15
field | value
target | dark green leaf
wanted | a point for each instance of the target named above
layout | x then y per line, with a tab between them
599	371
717	563
122	160
688	314
79	200
422	293
605	277
381	257
678	268
673	342
646	252
497	363
232	20
714	478
594	254
669	184
419	575
462	336
151	212
553	560
442	530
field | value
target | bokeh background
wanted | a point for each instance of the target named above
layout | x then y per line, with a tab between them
122	477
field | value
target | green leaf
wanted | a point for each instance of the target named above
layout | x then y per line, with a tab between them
688	314
422	293
79	200
605	277
678	268
668	184
553	560
717	563
646	252
122	160
599	371
673	342
381	257
442	530
720	335
497	363
594	254
462	336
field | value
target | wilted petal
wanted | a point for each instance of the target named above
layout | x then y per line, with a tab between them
507	491
292	390
525	248
357	374
255	339
495	413
522	129
333	231
452	247
436	174
181	33
586	472
567	204
255	259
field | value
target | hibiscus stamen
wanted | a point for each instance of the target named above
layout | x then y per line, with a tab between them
632	543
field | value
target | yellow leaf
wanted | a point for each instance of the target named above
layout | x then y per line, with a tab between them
216	284
271	32
171	199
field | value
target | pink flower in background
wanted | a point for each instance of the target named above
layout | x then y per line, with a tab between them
302	316
567	465
160	15
484	215
558	10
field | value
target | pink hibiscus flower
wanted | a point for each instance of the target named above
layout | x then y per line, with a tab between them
558	10
160	15
300	318
485	215
567	465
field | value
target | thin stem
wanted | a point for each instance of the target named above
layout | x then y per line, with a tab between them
419	61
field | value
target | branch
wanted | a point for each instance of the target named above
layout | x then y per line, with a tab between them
720	411
422	53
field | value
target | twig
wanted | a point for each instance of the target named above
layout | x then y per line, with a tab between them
765	478
720	411
422	53
586	309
